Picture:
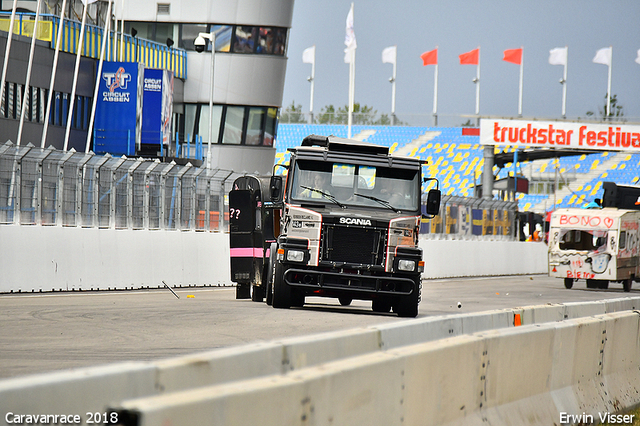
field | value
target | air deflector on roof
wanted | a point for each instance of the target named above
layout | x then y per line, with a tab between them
344	145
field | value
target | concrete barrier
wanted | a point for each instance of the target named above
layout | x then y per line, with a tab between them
303	371
526	375
55	258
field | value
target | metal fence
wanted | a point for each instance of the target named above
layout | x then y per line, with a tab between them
473	218
52	187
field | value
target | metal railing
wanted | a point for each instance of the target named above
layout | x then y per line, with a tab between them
134	49
473	218
52	187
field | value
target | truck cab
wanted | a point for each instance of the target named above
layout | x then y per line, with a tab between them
349	226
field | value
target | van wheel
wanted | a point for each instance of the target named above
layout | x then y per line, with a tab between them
345	301
626	284
568	283
592	283
281	291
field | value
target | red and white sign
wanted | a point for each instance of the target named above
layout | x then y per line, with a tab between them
560	134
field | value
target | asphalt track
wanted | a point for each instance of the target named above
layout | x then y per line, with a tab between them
46	332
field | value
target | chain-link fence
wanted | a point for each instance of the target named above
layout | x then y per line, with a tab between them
51	187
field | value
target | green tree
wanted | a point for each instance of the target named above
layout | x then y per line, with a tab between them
616	111
293	114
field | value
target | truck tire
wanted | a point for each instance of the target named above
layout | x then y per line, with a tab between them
243	291
270	273
281	291
626	285
407	307
381	305
568	283
257	293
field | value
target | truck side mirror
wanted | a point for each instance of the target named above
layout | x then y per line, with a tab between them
433	202
275	188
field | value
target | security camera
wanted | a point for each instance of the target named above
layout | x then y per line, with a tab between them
200	43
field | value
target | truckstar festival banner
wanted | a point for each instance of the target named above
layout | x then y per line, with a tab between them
560	134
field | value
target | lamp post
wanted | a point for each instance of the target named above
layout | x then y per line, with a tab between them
200	45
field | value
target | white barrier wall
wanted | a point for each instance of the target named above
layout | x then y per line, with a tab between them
469	369
53	258
463	258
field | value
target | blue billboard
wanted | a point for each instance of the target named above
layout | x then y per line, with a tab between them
119	109
157	108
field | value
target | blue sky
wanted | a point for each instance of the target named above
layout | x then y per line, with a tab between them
456	27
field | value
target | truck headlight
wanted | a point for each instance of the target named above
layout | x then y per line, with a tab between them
406	265
295	255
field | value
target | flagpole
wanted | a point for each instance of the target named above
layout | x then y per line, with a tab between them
105	34
478	86
27	82
435	95
609	83
352	71
521	82
7	49
75	75
54	70
564	84
393	91
312	79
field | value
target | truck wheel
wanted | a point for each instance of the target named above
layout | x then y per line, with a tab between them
568	283
257	293
281	291
603	284
592	283
243	291
345	301
407	306
626	284
381	305
270	272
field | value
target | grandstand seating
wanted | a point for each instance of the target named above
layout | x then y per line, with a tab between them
457	161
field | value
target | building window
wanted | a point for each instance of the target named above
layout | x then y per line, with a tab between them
255	126
233	123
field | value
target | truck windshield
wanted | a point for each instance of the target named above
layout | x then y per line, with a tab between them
356	185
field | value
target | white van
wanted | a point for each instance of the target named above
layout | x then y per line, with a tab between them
596	245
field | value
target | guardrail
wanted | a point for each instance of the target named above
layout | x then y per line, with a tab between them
524	366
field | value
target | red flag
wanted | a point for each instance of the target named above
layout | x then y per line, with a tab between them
430	58
470	58
513	55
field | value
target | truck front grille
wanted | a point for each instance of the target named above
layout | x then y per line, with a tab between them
353	244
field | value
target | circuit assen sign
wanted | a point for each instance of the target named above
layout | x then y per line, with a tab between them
560	134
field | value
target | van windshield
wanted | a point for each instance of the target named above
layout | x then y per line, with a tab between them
583	239
356	185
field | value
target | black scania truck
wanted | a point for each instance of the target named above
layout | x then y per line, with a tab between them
343	224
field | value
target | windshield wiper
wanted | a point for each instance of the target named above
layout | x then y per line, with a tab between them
379	200
325	194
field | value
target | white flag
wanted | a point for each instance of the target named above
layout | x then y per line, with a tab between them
350	37
603	56
389	55
638	58
309	55
87	2
558	56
